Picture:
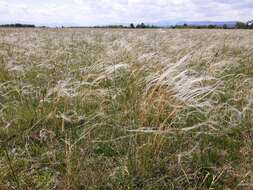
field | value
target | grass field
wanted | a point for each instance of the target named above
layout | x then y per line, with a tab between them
126	109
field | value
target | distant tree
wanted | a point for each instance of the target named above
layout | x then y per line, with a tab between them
185	25
142	25
225	26
132	25
114	26
211	26
241	25
153	26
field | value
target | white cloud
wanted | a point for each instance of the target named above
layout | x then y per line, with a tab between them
92	12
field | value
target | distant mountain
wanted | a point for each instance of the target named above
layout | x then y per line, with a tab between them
164	23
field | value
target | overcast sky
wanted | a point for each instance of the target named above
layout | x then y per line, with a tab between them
96	12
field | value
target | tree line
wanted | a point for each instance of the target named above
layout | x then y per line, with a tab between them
238	25
242	25
141	25
18	25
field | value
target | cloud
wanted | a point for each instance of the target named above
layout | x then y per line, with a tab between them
92	12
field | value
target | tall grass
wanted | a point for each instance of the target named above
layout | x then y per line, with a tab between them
126	109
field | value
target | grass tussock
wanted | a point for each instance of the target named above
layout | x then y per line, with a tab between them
126	109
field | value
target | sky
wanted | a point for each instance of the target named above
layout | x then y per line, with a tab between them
102	12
